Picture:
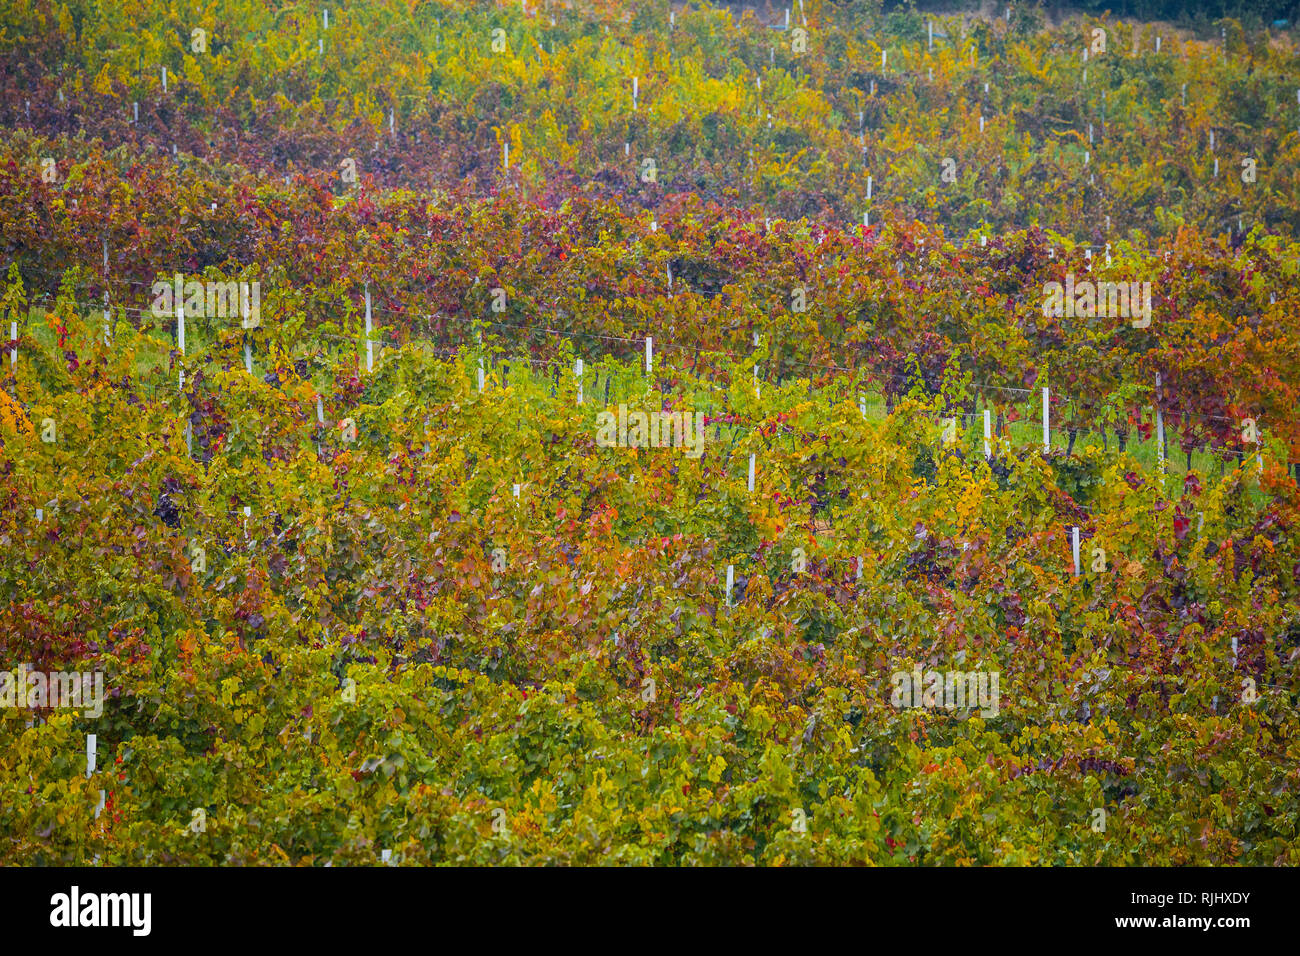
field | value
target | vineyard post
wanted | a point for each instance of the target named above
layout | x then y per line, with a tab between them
577	373
1047	432
1160	433
1075	549
731	572
370	348
481	373
91	743
859	562
751	472
649	355
13	351
988	434
107	334
91	746
180	338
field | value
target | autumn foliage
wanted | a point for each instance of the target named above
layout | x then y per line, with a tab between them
347	609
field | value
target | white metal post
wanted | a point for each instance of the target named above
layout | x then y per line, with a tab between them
1047	431
370	347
